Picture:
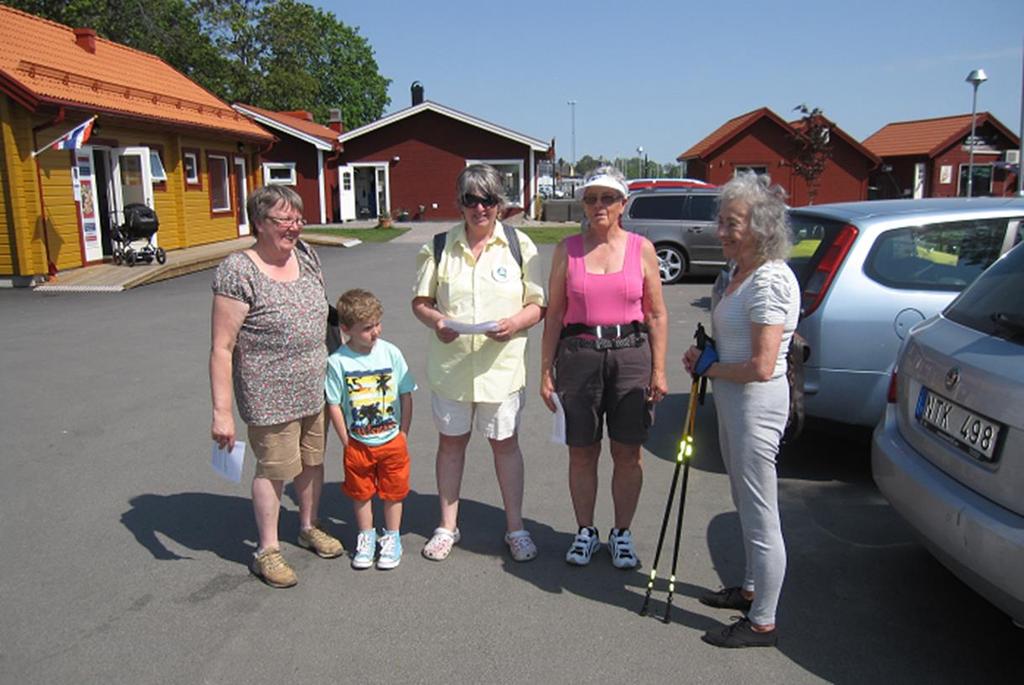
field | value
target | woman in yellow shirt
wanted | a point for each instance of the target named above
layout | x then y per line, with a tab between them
478	378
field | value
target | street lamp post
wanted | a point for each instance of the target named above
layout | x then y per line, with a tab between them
572	110
975	78
639	156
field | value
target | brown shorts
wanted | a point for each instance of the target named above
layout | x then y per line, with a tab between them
597	386
283	448
377	469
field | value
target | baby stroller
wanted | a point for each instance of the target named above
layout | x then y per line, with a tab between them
140	223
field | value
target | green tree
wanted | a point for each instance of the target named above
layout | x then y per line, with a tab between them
813	147
291	55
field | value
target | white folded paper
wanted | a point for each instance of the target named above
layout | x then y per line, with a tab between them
228	464
470	328
558	421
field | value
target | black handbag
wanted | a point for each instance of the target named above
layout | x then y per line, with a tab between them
798	353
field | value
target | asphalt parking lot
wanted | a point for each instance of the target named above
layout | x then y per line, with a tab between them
125	557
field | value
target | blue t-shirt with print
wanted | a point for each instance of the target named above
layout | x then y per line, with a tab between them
367	387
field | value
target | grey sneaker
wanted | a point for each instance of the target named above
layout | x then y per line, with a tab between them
390	550
620	544
366	547
583	547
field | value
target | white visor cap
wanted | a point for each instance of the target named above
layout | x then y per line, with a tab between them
603	181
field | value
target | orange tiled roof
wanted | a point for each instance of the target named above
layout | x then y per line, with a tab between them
920	137
40	63
289	120
727	131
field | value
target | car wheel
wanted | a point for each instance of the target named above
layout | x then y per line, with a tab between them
671	263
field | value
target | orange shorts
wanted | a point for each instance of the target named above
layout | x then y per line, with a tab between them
377	469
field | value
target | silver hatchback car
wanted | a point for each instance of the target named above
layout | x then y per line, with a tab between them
949	452
869	271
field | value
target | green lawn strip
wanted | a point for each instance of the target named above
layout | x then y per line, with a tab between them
368	235
549	234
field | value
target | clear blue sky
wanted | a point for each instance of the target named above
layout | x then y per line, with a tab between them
665	73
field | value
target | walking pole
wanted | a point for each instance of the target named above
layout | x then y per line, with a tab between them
683	457
682	501
685	445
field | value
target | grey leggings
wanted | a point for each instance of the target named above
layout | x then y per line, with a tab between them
751	419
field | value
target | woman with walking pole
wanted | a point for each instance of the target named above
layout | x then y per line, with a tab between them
752	322
603	355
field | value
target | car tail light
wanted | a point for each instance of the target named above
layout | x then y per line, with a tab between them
891	395
819	282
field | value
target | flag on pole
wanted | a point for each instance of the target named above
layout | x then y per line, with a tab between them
73	139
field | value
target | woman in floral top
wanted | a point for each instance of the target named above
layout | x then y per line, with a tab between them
269	326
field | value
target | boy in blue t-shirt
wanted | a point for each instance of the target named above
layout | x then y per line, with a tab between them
369	400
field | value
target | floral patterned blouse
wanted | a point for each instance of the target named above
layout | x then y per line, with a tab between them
280	356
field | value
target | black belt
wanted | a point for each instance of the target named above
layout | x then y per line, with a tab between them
620	330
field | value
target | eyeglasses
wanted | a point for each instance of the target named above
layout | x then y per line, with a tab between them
286	222
469	200
606	200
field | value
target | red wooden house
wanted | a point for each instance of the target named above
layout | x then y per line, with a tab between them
930	157
762	141
303	156
407	162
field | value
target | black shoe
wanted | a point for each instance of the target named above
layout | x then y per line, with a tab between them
727	598
740	634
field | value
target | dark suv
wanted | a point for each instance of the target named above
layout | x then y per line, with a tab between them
681	223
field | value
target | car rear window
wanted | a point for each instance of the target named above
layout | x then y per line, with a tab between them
702	208
812	237
993	304
940	256
657	207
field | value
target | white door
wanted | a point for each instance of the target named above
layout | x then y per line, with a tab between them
241	195
132	180
346	193
383	192
919	180
84	187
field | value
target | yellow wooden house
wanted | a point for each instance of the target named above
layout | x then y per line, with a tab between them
158	138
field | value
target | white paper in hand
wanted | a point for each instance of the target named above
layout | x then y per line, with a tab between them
228	464
558	421
470	328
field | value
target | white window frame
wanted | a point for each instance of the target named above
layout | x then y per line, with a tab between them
157	172
269	167
227	182
192	179
513	201
740	168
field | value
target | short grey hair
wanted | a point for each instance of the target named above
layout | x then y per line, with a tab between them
769	221
266	198
483	180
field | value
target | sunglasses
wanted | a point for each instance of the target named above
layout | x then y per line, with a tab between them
606	200
469	200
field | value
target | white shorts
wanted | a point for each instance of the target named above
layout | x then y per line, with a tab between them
496	420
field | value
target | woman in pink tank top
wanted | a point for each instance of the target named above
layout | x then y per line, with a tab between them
603	359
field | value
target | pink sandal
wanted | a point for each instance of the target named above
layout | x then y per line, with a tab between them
440	545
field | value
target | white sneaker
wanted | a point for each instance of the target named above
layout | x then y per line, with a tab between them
620	544
583	547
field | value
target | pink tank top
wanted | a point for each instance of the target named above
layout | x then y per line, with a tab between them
604	299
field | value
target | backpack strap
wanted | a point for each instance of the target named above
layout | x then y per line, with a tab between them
440	239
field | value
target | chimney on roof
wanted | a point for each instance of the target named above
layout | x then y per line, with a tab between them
86	39
334	120
417	93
